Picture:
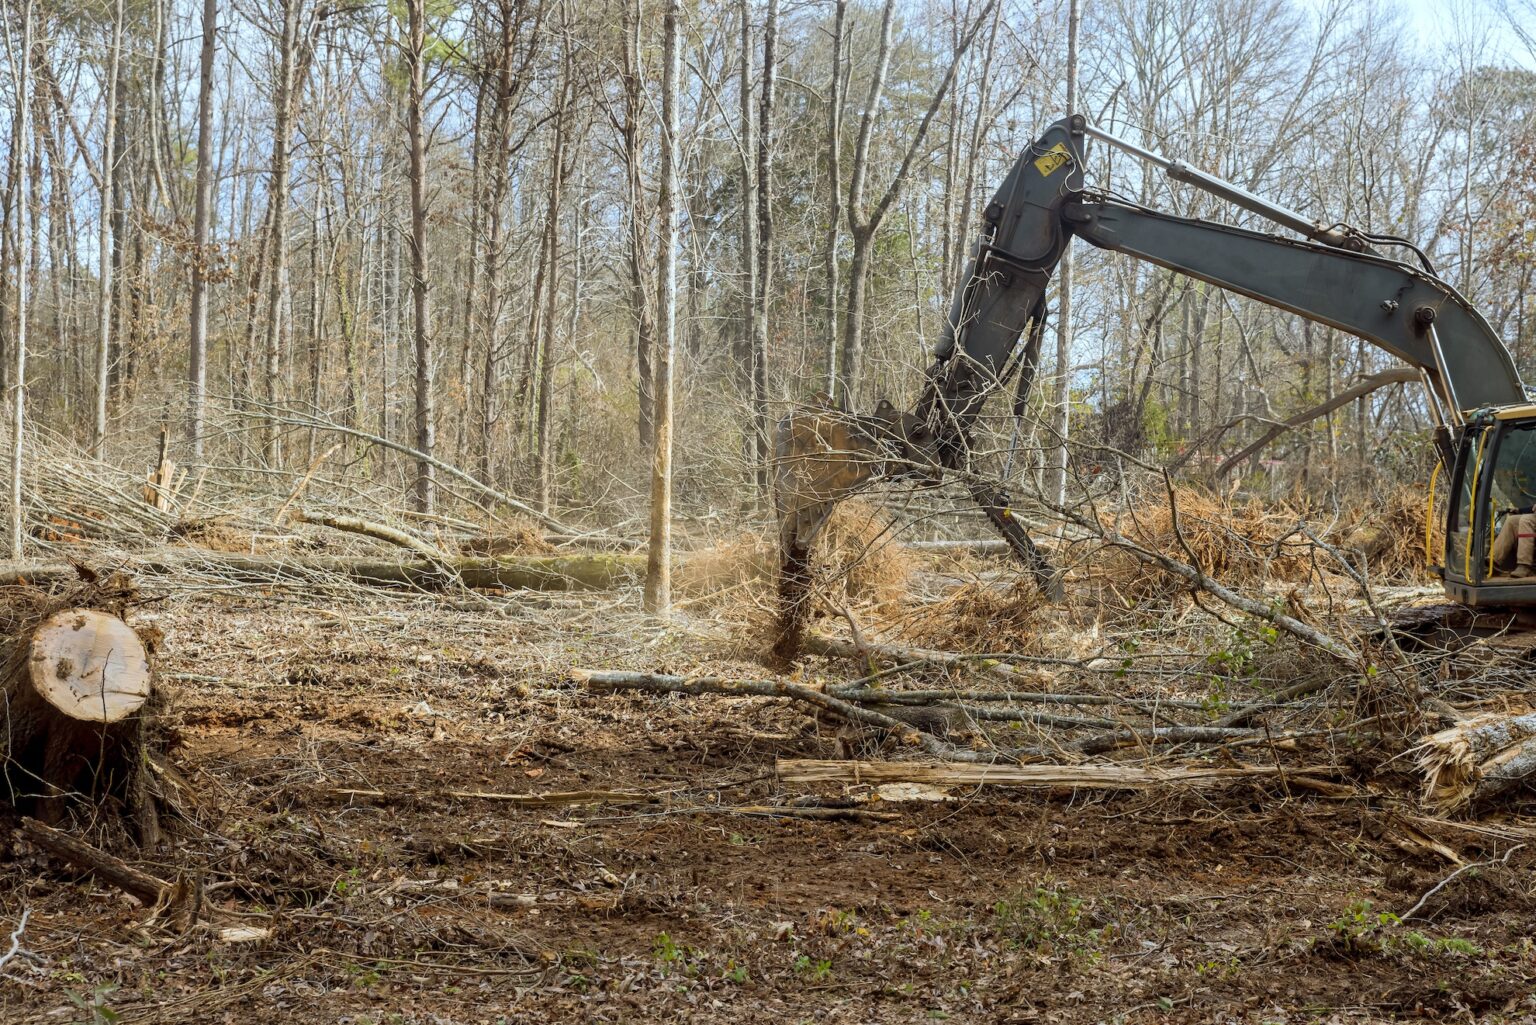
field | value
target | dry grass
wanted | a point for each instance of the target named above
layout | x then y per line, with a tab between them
219	534
1391	535
516	536
860	563
1252	542
980	617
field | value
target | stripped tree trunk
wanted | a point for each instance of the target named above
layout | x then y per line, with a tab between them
104	270
197	363
426	431
658	570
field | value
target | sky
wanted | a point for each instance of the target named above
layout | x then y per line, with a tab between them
1434	20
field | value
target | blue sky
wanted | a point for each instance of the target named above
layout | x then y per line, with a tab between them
1436	21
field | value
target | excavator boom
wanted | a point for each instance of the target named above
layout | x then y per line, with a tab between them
1335	275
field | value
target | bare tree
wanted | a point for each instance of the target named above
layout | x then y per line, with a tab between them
764	262
416	60
834	191
19	58
658	567
197	357
284	102
1061	397
864	224
105	250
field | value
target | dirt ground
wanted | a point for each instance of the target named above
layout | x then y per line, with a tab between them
321	746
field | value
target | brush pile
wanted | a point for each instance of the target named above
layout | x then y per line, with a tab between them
859	563
1251	542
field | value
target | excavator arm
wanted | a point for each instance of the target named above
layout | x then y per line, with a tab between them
1334	275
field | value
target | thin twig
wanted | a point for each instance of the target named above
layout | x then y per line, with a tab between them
1446	881
21	927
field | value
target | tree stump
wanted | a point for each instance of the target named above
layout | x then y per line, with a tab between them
75	693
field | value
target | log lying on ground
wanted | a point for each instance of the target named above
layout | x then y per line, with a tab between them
588	571
109	868
1477	760
659	683
1108	777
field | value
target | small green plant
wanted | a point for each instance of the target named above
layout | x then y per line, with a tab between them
736	974
1228	969
94	1003
347	883
365	976
673	956
1357	929
1045	918
816	971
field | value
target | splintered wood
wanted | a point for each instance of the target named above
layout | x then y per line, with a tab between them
1107	777
1477	759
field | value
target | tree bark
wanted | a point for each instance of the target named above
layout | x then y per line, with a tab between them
79	681
834	193
426	429
658	570
105	239
20	61
197	361
1061	394
764	262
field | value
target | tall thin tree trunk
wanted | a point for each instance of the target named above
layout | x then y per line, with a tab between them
104	271
750	250
197	361
640	296
764	250
20	60
277	250
1061	398
426	432
834	192
658	568
544	402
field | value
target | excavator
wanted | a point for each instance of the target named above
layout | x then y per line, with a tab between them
1379	288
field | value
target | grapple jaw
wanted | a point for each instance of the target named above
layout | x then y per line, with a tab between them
822	455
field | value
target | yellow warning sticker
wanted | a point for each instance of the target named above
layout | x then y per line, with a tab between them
1053	160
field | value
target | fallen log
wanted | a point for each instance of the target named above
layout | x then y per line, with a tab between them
545	800
993	665
1477	760
145	888
378	531
1098	776
660	683
586	571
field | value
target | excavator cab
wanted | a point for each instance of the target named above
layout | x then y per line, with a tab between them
1494	478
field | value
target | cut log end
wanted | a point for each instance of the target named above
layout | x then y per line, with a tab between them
90	666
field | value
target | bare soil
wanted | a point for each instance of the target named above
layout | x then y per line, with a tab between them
319	746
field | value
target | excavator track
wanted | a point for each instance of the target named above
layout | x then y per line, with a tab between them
1447	626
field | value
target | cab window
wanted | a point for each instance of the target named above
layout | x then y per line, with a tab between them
1512	474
